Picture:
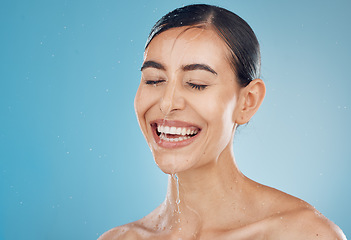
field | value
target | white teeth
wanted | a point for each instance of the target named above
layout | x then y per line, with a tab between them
178	131
183	133
163	137
175	131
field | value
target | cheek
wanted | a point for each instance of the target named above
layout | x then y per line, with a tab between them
218	109
144	100
220	123
139	106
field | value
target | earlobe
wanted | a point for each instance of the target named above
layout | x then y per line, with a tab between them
250	100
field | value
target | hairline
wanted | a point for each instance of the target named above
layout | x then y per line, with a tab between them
206	25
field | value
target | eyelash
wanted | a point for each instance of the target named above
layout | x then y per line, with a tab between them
192	85
197	86
154	82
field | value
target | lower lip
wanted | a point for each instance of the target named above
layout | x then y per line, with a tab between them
167	144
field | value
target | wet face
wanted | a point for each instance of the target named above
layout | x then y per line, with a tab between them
186	101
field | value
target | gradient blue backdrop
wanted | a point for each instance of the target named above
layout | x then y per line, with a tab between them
73	162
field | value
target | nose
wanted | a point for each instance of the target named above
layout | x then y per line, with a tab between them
172	99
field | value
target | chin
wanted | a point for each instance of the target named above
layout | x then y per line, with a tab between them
173	163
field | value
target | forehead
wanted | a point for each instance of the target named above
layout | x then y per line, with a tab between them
186	45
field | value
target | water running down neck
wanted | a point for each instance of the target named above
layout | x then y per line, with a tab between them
177	201
183	213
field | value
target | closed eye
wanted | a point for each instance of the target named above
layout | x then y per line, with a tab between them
154	82
197	86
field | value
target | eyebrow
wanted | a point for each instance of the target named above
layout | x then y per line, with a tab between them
198	66
189	67
152	64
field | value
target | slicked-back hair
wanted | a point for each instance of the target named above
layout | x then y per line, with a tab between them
245	57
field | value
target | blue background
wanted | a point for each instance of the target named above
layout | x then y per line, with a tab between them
73	162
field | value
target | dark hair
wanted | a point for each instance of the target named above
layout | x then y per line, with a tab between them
237	34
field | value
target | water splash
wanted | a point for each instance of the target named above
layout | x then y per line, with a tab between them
177	201
178	194
163	135
182	213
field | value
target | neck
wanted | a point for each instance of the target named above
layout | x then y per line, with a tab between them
201	195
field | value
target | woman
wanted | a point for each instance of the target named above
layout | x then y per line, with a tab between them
200	80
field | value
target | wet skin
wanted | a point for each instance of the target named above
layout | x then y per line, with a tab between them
187	82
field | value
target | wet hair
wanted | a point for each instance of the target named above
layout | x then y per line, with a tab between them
245	57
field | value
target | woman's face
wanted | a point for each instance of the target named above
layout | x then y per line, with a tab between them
186	101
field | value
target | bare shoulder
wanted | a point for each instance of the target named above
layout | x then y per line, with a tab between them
140	229
294	218
308	224
125	232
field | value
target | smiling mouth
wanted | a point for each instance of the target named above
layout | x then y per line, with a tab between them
174	133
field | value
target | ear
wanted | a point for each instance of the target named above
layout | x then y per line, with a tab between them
250	99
